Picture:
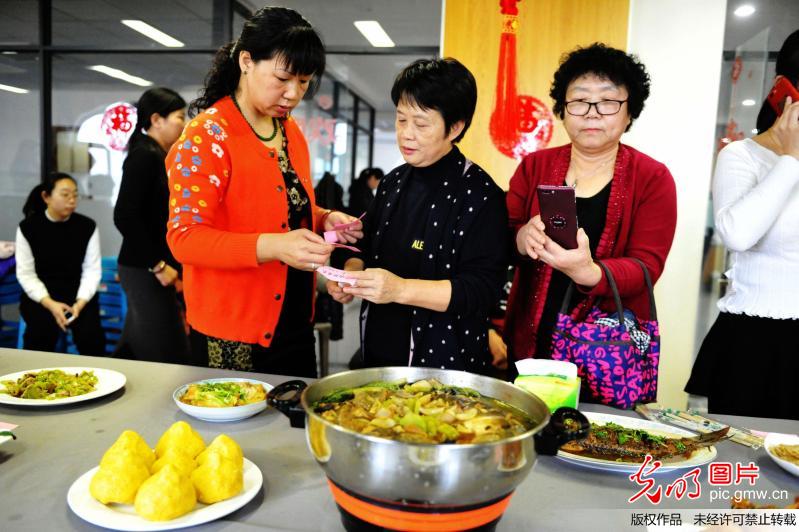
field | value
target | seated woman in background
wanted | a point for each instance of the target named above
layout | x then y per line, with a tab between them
434	251
59	268
154	328
626	202
749	360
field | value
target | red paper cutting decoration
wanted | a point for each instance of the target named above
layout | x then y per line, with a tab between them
520	124
737	66
117	124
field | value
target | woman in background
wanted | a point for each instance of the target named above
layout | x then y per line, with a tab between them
148	272
362	190
59	269
749	360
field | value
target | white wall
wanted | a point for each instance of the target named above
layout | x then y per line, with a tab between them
680	42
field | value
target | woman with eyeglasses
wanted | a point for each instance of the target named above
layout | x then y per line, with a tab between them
626	202
59	269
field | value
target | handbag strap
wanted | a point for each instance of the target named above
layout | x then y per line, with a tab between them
614	288
653	311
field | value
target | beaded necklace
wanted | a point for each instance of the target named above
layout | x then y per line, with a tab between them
260	137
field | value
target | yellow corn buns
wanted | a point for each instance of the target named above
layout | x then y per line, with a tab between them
166	495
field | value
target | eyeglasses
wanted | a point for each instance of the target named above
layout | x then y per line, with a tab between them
603	107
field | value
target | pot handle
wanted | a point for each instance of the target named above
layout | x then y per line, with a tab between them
565	425
286	398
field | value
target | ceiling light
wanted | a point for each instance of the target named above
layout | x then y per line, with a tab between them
374	33
153	33
15	90
749	102
744	10
120	74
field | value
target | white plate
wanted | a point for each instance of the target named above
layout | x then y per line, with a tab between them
699	457
124	516
787	439
221	414
108	381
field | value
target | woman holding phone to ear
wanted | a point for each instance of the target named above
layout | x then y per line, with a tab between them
626	202
747	365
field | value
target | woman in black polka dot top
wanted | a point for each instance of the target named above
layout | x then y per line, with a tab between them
434	253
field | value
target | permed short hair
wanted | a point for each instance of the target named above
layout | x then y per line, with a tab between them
605	62
444	85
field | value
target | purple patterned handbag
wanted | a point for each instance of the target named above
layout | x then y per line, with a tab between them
616	354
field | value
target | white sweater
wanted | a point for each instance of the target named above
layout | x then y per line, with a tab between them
756	207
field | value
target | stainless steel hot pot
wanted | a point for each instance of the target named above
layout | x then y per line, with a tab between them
432	474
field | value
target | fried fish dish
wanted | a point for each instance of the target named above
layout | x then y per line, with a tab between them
614	442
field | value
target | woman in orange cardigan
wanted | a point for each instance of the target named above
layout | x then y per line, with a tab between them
243	220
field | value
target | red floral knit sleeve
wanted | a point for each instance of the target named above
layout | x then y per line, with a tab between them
199	168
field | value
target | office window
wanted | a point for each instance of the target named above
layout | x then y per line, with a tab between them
98	23
93	113
19	136
19	22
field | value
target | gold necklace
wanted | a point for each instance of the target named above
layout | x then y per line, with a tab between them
592	174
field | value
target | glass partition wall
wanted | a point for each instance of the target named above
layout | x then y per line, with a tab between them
71	69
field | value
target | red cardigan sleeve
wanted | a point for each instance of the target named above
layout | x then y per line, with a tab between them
517	199
652	233
199	169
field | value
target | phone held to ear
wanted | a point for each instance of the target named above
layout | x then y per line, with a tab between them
779	92
559	213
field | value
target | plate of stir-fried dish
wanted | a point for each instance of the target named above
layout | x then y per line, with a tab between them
224	399
58	386
618	443
784	449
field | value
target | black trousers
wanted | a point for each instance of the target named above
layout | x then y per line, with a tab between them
154	329
295	355
42	331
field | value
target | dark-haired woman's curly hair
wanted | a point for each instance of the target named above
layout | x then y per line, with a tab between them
605	62
269	33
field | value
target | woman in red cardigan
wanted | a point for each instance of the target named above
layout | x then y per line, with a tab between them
626	202
243	220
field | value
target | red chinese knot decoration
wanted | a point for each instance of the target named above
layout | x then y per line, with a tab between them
520	124
117	124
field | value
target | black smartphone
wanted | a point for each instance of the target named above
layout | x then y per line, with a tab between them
69	316
559	213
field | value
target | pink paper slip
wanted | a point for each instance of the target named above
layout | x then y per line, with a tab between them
350	225
345	246
334	274
332	238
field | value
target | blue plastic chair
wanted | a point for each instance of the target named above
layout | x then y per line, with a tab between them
113	303
10	292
